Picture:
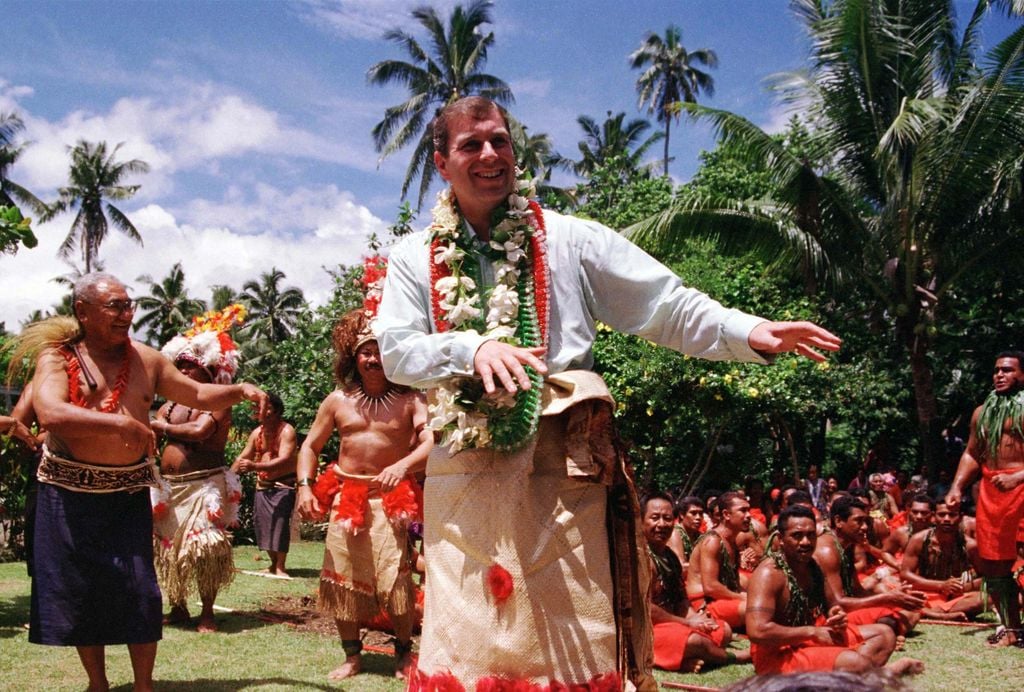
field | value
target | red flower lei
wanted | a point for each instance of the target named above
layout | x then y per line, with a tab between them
74	370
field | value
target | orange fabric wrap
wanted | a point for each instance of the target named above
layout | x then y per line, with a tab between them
999	515
727	610
803	657
670	643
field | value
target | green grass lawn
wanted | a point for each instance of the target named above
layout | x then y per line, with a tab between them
254	653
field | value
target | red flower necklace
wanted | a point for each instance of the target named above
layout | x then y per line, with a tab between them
74	368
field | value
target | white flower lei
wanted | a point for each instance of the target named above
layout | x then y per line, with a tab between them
465	424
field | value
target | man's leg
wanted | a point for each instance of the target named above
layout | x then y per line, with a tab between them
206	620
94	661
280	560
178	614
851	661
143	657
402	625
352	646
879	643
701	648
1002	589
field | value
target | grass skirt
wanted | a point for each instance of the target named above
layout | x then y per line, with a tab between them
190	540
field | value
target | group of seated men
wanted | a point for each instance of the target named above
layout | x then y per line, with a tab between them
813	591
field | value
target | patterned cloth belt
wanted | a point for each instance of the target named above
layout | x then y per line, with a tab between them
83	477
284	482
193	475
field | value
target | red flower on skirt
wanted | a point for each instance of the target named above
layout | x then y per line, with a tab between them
499	581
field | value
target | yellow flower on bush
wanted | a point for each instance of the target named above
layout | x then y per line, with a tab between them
752	392
727	379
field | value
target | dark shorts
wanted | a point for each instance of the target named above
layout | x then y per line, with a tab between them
272	516
94	581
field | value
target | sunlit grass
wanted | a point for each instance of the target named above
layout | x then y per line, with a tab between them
250	653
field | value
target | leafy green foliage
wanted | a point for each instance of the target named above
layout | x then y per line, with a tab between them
618	196
670	76
95	178
691	421
15	230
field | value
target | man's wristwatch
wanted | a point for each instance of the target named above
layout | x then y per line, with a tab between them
304	482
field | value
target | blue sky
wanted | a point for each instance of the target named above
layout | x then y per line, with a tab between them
255	117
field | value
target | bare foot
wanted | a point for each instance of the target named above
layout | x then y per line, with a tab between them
906	666
351	666
900	642
206	624
1002	638
691	665
178	615
743	656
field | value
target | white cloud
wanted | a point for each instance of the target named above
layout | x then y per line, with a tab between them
298	232
777	118
538	88
365	19
196	128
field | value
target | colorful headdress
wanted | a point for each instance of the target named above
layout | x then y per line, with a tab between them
374	270
208	343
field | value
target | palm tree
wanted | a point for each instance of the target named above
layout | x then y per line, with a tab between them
11	125
536	156
611	140
273	312
670	77
168	308
921	148
95	177
448	71
221	296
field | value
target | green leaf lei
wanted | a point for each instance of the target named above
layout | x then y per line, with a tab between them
994	412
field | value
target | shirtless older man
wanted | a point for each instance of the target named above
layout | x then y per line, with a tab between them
95	583
384	442
683	639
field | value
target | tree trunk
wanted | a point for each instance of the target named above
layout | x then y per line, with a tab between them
697	473
929	426
668	123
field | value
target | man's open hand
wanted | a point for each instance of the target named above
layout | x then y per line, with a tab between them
802	338
496	359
